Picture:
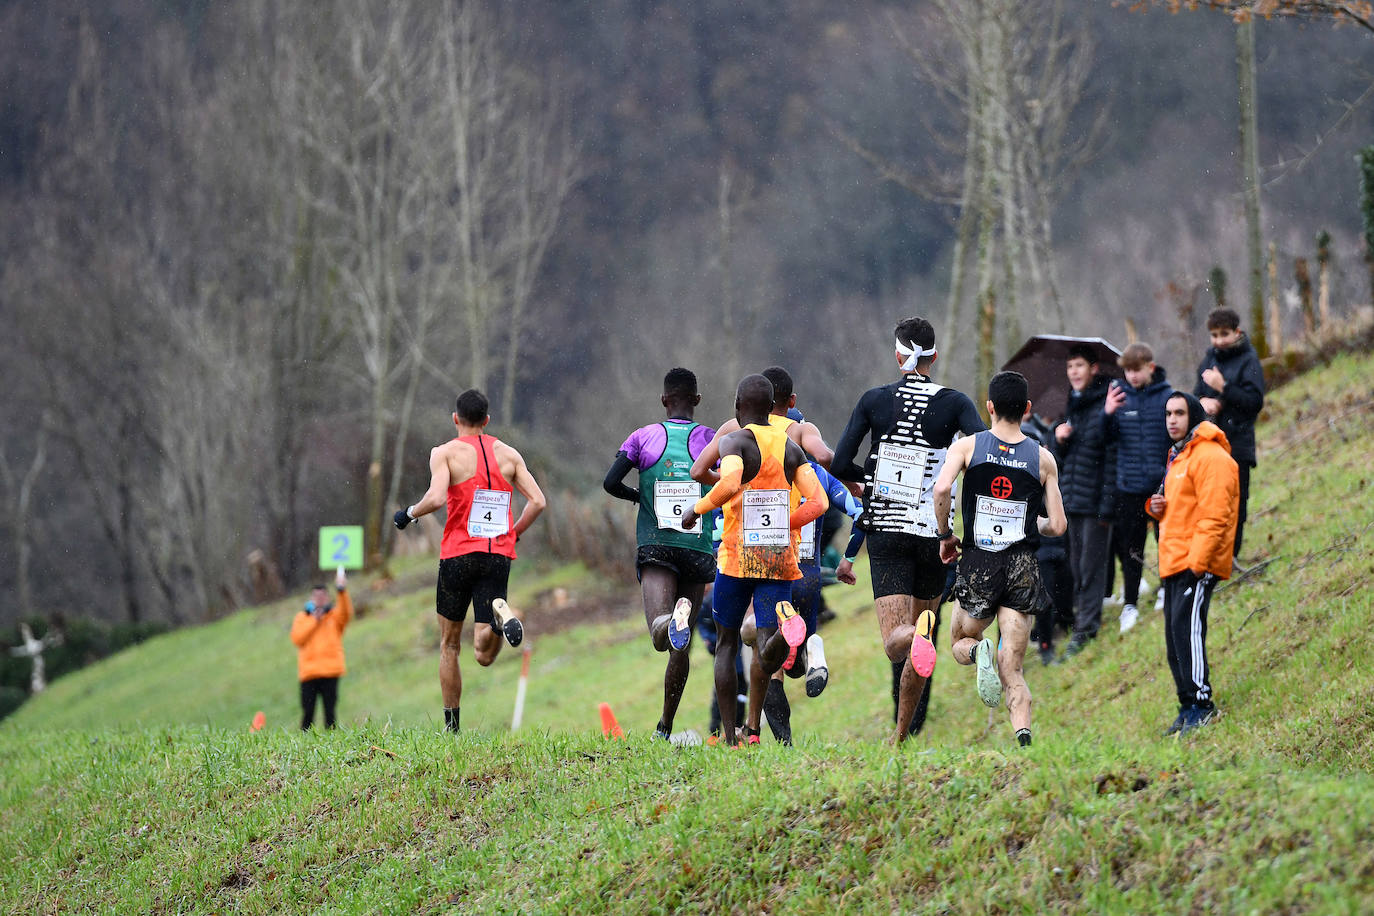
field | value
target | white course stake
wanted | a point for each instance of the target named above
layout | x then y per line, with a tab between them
521	686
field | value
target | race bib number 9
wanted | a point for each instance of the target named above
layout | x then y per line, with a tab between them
766	518
672	499
998	523
899	473
489	516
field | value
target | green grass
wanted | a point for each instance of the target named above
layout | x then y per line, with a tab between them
135	786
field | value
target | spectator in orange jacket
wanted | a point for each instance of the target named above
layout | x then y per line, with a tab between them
318	635
1198	507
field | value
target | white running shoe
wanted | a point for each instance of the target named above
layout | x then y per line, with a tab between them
1129	616
817	674
989	684
506	623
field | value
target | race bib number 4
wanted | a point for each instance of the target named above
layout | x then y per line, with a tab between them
899	472
766	518
672	499
489	516
998	523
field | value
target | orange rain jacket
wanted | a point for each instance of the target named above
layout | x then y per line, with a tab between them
320	640
1202	488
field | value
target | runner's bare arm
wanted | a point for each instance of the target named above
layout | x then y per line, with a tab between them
810	438
704	468
816	503
437	495
730	482
524	482
956	459
1056	523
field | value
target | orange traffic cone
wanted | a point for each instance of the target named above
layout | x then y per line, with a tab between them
258	722
609	726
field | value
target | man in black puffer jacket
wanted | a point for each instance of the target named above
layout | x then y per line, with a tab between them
1230	386
1135	422
1087	479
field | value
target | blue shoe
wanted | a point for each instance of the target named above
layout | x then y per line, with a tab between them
680	624
1197	717
1178	722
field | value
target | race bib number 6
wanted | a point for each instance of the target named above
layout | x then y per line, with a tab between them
672	499
766	518
489	516
899	472
998	523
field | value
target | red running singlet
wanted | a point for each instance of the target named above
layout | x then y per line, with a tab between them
480	519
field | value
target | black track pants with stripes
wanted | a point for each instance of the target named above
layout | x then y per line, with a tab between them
1186	601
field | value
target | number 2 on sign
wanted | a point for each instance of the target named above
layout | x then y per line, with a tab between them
341	552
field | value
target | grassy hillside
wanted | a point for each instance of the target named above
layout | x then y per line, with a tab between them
134	785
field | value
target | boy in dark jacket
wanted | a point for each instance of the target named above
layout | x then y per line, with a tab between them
1230	386
1087	480
1135	422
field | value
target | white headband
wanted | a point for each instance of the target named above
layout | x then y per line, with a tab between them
913	354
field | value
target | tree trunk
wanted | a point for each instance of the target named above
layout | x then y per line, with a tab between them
1305	296
1249	144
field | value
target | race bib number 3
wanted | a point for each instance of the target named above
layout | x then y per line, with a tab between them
672	499
899	473
998	523
766	518
489	516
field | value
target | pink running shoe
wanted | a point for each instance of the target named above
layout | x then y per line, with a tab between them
922	648
793	631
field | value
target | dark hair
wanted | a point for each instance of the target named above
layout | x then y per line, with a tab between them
782	383
754	393
472	407
916	332
680	384
1223	320
1196	413
1082	351
1009	393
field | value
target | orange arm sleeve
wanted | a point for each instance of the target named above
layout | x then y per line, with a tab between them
731	480
816	503
345	609
302	627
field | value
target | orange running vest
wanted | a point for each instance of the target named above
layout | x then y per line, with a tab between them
758	541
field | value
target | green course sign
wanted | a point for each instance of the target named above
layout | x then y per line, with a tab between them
341	545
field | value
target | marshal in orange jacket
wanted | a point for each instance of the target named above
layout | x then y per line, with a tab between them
320	640
1197	529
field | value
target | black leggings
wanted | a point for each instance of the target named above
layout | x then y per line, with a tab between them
1128	542
327	689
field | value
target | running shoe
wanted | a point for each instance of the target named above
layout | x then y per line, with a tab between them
680	624
1047	656
989	684
793	631
817	675
1178	722
778	712
1129	616
660	735
502	619
1197	717
922	649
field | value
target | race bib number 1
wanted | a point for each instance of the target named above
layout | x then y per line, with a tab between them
672	499
899	473
998	523
489	516
766	518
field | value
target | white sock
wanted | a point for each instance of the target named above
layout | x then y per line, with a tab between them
815	651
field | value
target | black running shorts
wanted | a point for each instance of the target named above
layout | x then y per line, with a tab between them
692	567
987	581
479	577
905	564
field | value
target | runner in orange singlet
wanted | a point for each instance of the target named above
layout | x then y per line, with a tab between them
763	477
474	475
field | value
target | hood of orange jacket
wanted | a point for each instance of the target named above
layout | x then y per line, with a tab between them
1202	503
